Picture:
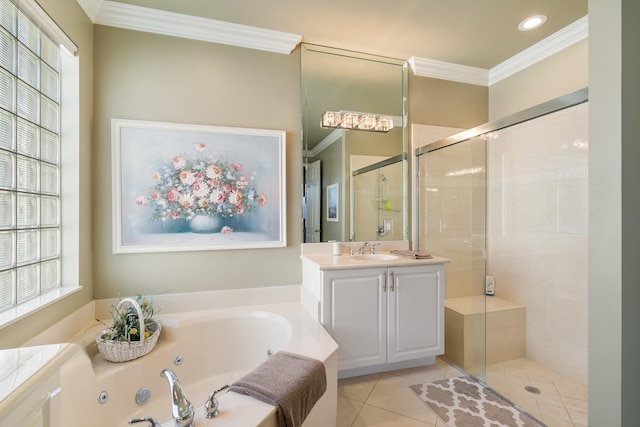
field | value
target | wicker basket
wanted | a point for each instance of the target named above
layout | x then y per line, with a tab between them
123	351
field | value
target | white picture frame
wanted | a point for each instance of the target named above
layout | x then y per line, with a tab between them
167	174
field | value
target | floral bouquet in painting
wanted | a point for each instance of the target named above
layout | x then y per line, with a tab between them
204	185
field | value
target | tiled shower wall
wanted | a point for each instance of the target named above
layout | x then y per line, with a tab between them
452	213
537	237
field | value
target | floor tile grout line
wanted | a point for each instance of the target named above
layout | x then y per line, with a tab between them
398	413
365	401
388	410
372	388
358	414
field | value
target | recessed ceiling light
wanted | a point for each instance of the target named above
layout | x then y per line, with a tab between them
532	22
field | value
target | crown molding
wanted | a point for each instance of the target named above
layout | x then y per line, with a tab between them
449	71
115	14
91	8
334	136
121	15
562	39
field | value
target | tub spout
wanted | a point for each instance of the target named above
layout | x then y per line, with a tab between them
181	409
152	422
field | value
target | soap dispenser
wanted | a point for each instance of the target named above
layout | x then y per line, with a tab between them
490	286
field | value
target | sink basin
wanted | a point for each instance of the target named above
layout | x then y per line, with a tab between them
374	257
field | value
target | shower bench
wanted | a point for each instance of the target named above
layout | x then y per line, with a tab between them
466	334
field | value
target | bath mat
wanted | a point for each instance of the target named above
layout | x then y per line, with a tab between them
464	402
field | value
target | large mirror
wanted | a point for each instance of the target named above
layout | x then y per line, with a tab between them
355	181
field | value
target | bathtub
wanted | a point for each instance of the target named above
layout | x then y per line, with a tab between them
206	349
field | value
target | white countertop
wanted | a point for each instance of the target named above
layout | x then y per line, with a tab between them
17	365
345	261
321	255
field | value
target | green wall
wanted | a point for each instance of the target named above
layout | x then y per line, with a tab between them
144	76
557	75
445	103
152	77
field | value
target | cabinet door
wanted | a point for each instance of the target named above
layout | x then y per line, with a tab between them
356	314
416	312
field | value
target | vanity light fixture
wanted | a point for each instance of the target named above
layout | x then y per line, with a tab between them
351	120
532	22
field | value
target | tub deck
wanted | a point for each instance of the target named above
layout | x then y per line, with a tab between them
216	347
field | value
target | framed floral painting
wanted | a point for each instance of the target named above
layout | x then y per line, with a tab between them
184	187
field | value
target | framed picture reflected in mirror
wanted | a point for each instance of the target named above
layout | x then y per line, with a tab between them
333	193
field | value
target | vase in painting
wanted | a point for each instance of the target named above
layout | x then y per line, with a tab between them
205	224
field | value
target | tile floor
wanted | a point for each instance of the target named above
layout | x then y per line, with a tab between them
561	402
385	399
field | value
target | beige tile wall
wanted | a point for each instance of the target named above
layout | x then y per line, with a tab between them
537	233
452	213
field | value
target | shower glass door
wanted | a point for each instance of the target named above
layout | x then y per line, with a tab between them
452	215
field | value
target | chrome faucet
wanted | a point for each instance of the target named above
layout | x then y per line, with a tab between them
363	248
181	409
152	422
212	404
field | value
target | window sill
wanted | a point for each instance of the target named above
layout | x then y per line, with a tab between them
18	313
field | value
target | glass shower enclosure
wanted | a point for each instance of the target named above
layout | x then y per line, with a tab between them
509	201
452	215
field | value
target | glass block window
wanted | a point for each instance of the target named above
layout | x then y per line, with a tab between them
29	159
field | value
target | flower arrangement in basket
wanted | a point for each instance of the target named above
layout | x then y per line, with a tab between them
134	332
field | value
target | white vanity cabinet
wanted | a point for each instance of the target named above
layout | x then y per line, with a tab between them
383	317
354	312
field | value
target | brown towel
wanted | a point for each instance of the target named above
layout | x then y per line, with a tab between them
411	254
290	382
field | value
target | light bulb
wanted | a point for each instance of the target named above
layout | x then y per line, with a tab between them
532	22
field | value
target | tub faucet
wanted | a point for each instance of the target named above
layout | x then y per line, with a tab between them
181	409
152	422
212	404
